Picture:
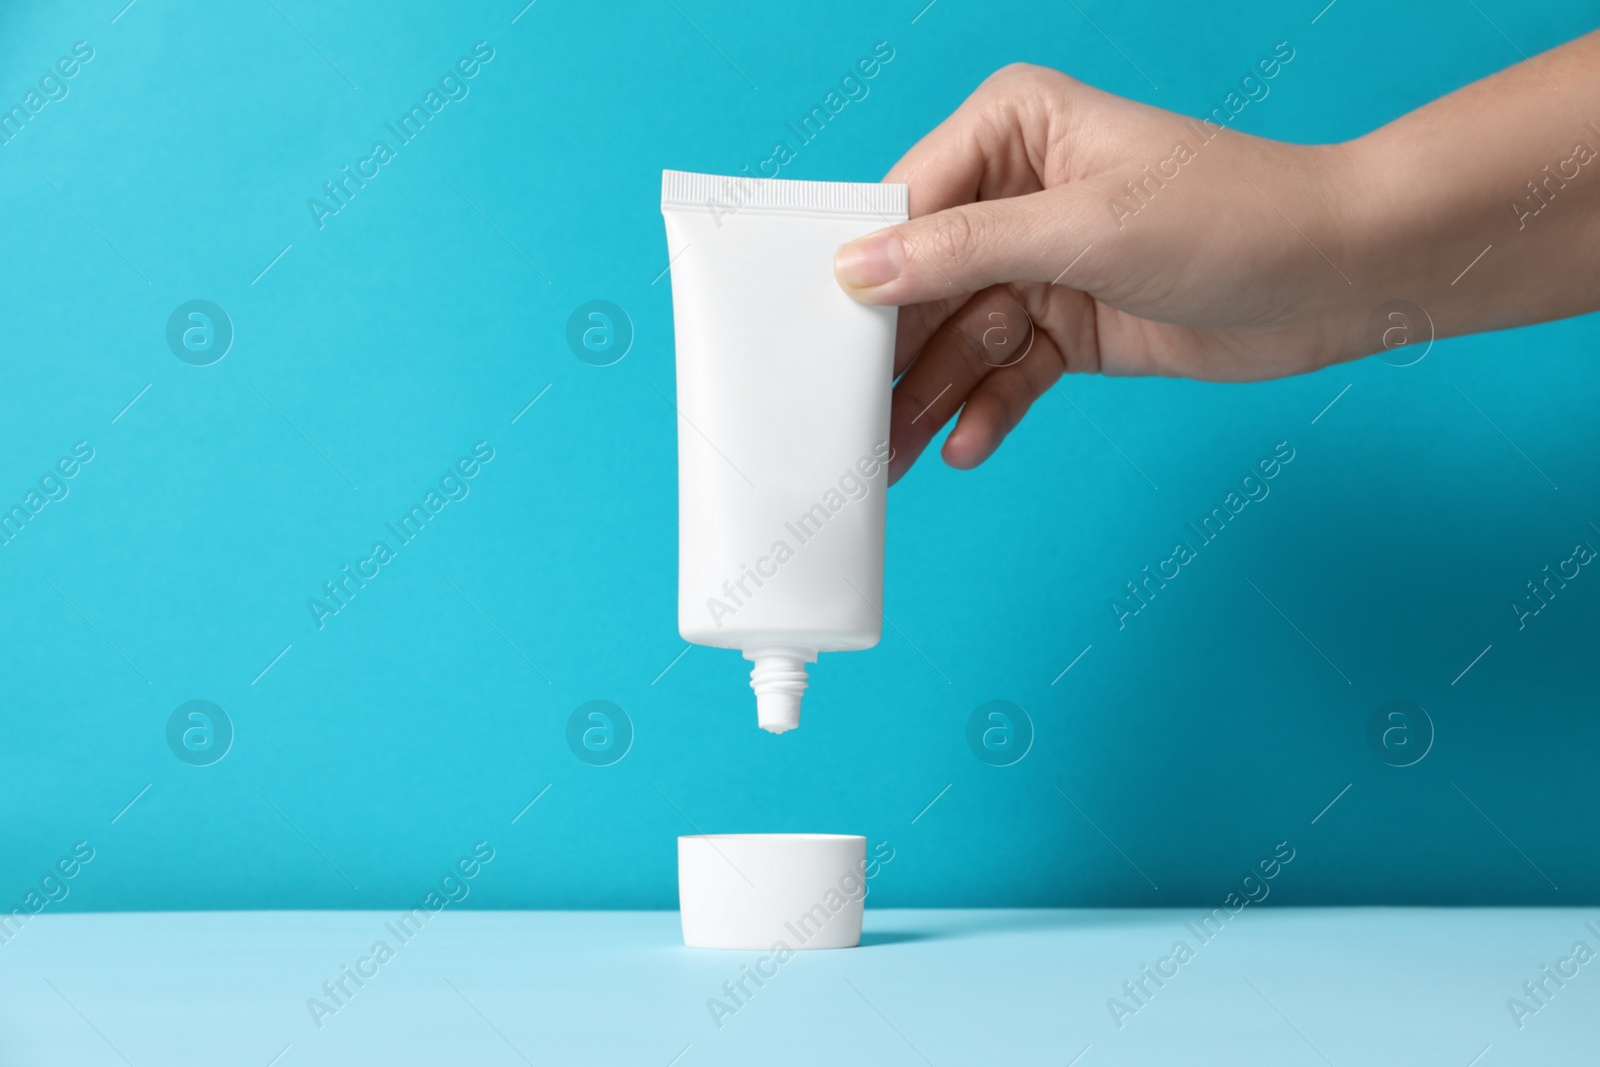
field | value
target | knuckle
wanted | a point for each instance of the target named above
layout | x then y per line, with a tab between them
1009	336
955	239
1027	78
915	415
1015	74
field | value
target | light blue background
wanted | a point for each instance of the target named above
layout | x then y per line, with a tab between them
376	751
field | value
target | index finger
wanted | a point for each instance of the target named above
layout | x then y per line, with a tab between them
987	147
981	151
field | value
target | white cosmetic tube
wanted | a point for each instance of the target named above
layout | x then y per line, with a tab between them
783	423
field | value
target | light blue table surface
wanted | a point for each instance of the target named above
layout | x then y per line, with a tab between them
1275	986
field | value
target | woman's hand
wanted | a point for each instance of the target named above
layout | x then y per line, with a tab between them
1056	228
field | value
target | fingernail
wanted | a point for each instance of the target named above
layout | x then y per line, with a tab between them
873	260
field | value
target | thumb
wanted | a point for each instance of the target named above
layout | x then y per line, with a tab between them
960	250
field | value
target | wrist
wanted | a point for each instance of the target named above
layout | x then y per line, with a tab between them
1363	244
1313	207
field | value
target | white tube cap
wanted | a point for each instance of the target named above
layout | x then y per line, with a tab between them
757	891
779	680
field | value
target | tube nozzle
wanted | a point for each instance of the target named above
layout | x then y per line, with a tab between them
779	680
